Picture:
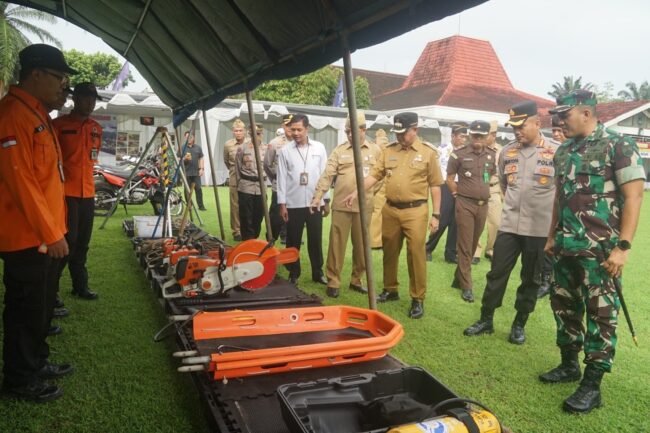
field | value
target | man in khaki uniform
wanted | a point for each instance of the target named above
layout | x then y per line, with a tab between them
475	165
495	204
229	154
411	170
380	198
340	164
251	210
278	228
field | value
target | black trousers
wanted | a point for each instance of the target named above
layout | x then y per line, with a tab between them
251	214
80	230
507	248
447	222
30	280
298	218
198	192
278	227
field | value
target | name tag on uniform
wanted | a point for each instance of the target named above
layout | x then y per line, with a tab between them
366	171
418	158
304	178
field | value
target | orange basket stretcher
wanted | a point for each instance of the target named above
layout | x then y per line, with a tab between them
246	343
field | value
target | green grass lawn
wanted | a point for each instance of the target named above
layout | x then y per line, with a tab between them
124	382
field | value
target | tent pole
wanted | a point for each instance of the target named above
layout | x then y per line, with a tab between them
358	169
213	172
120	193
260	169
186	186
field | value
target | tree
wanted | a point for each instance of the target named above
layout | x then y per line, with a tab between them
634	92
13	26
605	93
98	68
568	85
315	88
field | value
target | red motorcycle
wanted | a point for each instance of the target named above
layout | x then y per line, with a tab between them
144	186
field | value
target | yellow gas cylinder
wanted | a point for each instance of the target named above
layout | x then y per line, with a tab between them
486	422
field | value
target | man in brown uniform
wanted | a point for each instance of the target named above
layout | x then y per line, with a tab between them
411	170
229	154
278	228
495	204
251	210
380	198
475	165
340	164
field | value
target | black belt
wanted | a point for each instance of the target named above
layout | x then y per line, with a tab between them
250	178
406	205
478	201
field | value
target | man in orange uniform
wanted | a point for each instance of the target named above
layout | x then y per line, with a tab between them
32	221
80	138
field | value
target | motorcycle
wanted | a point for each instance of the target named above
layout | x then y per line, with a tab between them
144	186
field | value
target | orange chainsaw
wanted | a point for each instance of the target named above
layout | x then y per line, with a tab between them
251	265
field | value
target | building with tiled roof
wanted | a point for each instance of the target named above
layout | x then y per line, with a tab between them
458	72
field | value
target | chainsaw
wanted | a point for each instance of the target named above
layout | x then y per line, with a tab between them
252	265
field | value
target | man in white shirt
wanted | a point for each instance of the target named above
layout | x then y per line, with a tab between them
300	164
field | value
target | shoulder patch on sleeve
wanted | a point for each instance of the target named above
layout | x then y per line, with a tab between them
7	142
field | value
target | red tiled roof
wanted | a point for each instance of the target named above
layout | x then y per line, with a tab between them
457	72
605	111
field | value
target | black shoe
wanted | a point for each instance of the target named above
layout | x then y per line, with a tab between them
360	289
476	260
488	256
455	284
87	294
429	257
320	280
202	208
517	334
482	326
467	296
377	248
417	309
587	396
237	238
567	371
60	313
386	296
452	260
54	371
332	292
293	280
37	392
59	302
54	330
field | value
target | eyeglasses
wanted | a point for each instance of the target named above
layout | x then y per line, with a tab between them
63	78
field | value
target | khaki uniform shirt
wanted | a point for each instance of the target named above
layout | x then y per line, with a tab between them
474	169
229	154
495	187
246	168
527	177
340	164
271	160
408	173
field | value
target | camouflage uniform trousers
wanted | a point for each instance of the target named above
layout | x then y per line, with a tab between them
583	284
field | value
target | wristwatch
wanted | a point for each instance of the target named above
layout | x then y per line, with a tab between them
624	245
436	215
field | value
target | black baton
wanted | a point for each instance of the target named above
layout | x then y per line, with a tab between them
619	292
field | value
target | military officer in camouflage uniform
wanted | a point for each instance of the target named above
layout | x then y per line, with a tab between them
411	171
229	154
526	179
251	210
599	179
473	164
340	165
278	228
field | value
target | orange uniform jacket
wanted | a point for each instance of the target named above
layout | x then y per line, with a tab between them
32	203
80	141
